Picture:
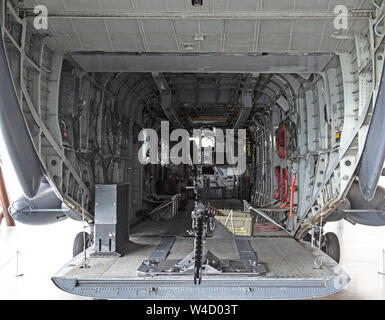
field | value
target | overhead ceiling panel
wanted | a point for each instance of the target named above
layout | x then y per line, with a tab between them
115	5
220	33
159	35
63	36
281	5
125	35
239	34
100	39
244	5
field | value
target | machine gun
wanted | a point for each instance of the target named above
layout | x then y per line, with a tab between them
203	221
199	261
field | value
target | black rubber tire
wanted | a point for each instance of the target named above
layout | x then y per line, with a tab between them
332	246
79	243
307	238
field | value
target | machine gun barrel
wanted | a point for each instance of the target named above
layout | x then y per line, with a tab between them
198	250
201	217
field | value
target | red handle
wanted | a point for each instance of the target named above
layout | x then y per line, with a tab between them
292	195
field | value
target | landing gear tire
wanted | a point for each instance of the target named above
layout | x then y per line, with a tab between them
79	243
331	246
307	238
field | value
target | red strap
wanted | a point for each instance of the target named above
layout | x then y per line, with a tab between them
283	206
277	192
292	195
284	186
280	141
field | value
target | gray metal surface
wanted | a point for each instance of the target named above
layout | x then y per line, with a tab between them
373	156
162	249
44	208
219	290
36	74
111	219
15	133
245	250
247	36
218	26
235	268
122	62
289	264
370	213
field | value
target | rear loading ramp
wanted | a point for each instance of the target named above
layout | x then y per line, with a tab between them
289	264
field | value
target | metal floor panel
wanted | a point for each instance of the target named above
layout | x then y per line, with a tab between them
289	264
175	227
163	248
245	249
